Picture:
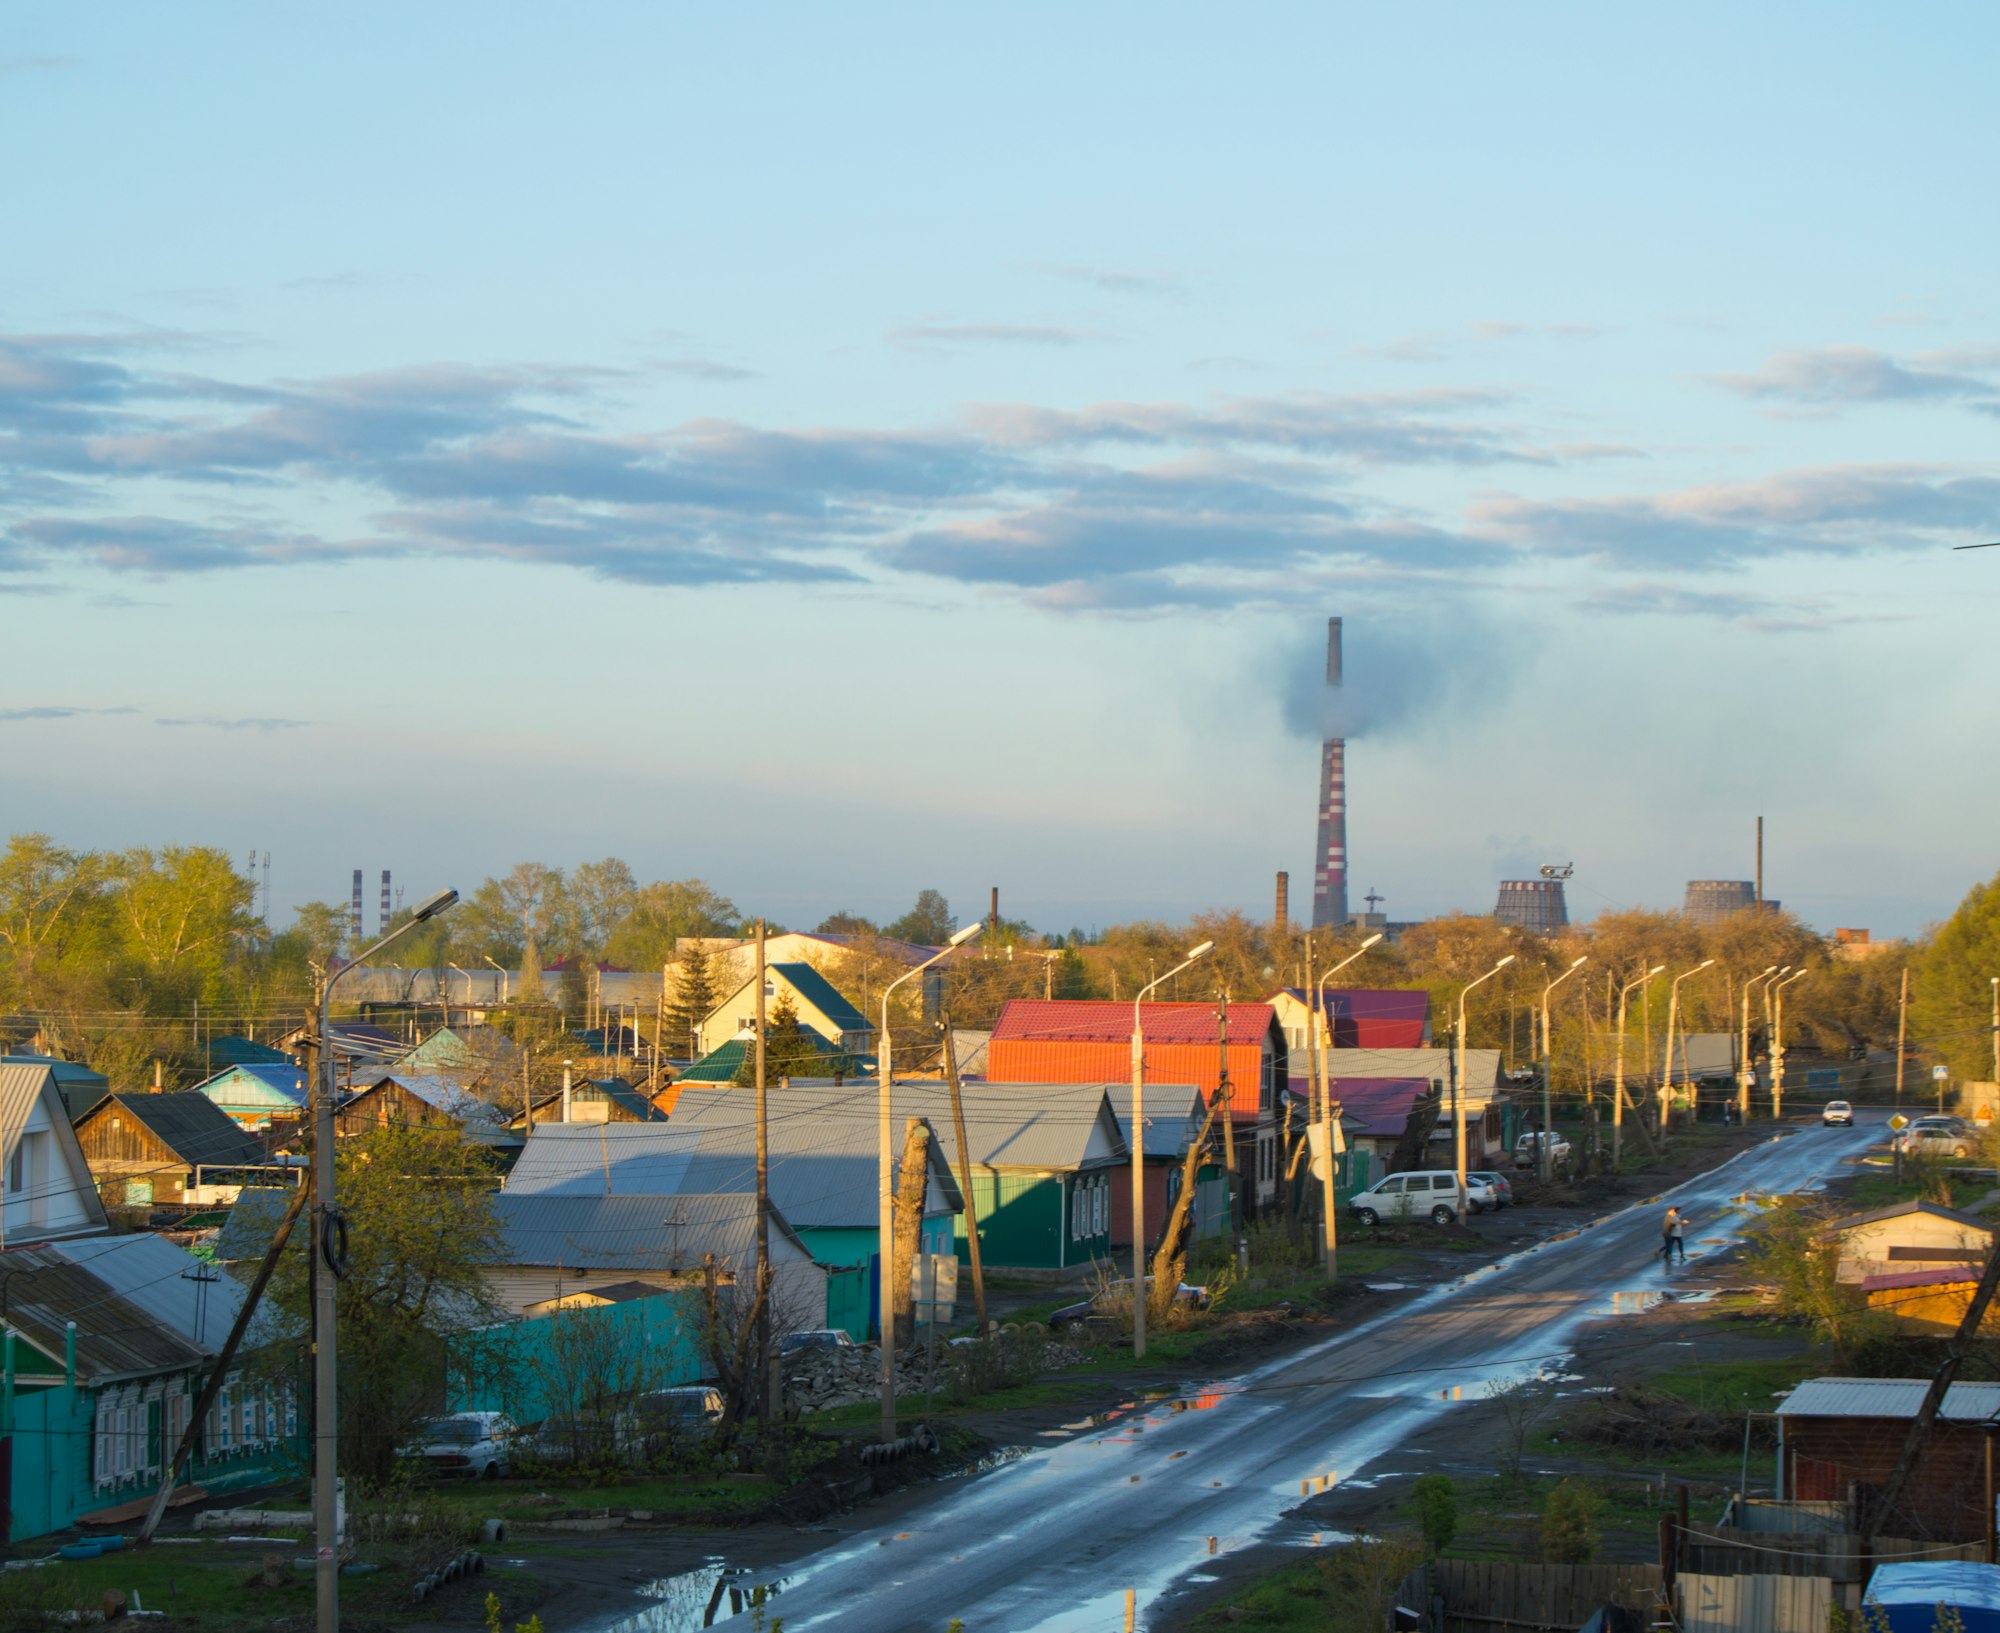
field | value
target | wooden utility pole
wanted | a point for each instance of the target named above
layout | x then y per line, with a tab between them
1902	1035
764	1359
659	1021
1225	1093
965	1168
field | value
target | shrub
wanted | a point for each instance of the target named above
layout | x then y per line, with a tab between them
1434	1503
1569	1525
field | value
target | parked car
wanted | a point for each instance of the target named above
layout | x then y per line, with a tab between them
1920	1140
1837	1114
663	1417
814	1341
1528	1151
1501	1187
1112	1294
1421	1194
473	1445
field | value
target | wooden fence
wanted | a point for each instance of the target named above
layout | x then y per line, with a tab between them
1724	1550
1503	1596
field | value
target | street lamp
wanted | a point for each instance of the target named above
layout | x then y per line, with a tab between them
1996	1028
1778	1042
1618	1080
1744	1071
326	1418
886	1218
1320	1039
1548	1060
1458	1096
1139	1151
504	974
1673	1014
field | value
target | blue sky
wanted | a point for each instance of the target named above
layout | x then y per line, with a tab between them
834	453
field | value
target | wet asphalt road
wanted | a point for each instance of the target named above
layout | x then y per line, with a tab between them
1051	1543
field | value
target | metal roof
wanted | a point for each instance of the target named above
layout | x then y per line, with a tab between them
189	1124
252	1222
1926	1584
1090	1020
603	1159
197	1301
22	1087
1372	1017
633	1232
1897	1210
286	1082
115	1337
440	1093
1375	1107
824	996
1888	1398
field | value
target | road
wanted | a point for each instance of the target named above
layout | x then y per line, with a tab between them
1052	1542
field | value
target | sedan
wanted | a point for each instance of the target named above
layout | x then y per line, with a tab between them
1502	1188
1837	1114
471	1445
1937	1142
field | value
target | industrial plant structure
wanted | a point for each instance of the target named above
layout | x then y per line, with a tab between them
1330	861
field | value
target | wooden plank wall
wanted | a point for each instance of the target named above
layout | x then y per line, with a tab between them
1493	1596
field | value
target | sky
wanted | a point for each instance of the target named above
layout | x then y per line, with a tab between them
833	452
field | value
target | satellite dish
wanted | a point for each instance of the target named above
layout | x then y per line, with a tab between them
1552	871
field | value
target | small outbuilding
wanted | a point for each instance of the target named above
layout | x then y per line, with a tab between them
1909	1236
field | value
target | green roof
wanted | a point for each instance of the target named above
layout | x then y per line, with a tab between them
824	996
722	1063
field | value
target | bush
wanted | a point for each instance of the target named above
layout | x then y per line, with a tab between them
1434	1503
1569	1525
1364	1576
35	1598
1000	1360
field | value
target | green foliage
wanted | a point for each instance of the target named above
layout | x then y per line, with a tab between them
929	923
1787	1248
1569	1525
845	923
1433	1502
790	1048
38	1599
692	999
1951	997
1363	1576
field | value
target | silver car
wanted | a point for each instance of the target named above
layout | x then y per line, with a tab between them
1425	1193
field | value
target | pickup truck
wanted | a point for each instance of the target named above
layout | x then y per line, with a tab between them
1528	1151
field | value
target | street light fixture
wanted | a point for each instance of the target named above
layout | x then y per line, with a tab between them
1320	1039
326	1418
1673	1015
1618	1079
1548	1060
505	974
1778	1041
1746	1071
1139	1151
1458	1096
886	1215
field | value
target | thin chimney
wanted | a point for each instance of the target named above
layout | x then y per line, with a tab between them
1281	912
1330	865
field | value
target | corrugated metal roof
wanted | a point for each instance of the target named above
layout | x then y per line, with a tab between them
440	1093
604	1159
284	1082
1896	1210
1090	1020
198	1301
1349	1069
252	1222
1965	1275
824	996
68	1178
461	1049
1372	1017
189	1124
621	1094
115	1338
1888	1398
1374	1108
670	1232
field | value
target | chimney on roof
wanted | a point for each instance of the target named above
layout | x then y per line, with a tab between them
1281	912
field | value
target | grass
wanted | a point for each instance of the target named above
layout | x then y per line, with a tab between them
693	1496
1292	1599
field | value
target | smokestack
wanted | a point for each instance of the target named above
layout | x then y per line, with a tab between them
993	918
357	904
1760	864
1330	864
385	901
1281	911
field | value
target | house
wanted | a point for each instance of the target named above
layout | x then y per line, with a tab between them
818	1004
231	1050
1376	1089
596	1100
172	1150
406	1099
1355	1018
1174	1114
722	1064
80	1087
46	1190
556	1244
1040	1040
1839	1438
1909	1236
255	1096
465	1052
354	1043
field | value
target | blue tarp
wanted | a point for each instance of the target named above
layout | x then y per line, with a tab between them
1911	1594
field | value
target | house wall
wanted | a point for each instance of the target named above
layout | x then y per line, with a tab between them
1944	1497
524	1368
799	1288
736	1013
1941	1308
129	1162
1864	1249
385	1104
1211	1205
44	1199
854	1270
1020	1217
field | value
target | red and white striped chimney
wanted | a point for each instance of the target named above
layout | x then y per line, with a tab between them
1330	864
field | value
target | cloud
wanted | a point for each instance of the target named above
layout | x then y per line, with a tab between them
246	723
988	334
1838	375
700	368
61	711
29	62
1434	657
1117	281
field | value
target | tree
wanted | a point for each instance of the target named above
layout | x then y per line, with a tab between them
692	1001
533	895
928	924
597	899
179	908
1569	1525
321	929
845	923
1434	1505
791	1049
663	914
1951	995
420	1229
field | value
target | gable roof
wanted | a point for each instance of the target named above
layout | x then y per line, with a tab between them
440	1093
725	1060
461	1049
1378	1107
115	1336
671	1232
174	1288
1350	1070
1090	1020
1888	1398
268	1084
230	1050
189	1124
253	1220
603	1159
1913	1205
80	1086
1372	1017
620	1094
823	995
22	1089
1174	1111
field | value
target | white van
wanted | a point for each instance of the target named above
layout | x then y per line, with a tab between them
1424	1194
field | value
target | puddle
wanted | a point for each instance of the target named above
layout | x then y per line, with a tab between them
998	1458
714	1593
1388	1286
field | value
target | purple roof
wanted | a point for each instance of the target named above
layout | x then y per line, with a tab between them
1374	1017
1371	1106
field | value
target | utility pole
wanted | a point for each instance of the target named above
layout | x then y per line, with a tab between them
1902	1033
1543	1166
1227	1095
1327	1182
763	1208
965	1168
1778	1043
1746	1072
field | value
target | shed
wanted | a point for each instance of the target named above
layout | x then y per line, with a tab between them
1840	1437
256	1095
173	1149
1908	1235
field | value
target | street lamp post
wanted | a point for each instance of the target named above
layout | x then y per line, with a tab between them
1458	1079
1618	1077
886	1217
326	1417
1744	1072
1673	1015
505	976
1542	1167
1320	1040
1139	1150
1778	1043
1996	1028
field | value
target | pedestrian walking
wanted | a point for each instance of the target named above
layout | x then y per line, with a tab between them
1673	1236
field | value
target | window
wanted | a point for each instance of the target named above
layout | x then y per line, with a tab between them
225	1422
16	1167
101	1470
1394	1187
249	1423
291	1414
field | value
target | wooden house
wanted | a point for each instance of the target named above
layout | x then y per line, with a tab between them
172	1150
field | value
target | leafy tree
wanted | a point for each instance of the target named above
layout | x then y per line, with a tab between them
420	1230
180	908
845	923
662	914
1951	995
533	895
320	930
1787	1248
928	924
693	999
1569	1525
1433	1503
791	1049
597	899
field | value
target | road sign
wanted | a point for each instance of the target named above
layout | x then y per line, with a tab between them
1939	1074
1899	1122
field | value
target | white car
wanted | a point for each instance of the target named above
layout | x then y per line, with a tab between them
1930	1140
1528	1151
466	1445
1422	1194
1837	1114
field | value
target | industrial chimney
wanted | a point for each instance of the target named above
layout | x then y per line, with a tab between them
385	901
1330	861
359	933
1281	913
